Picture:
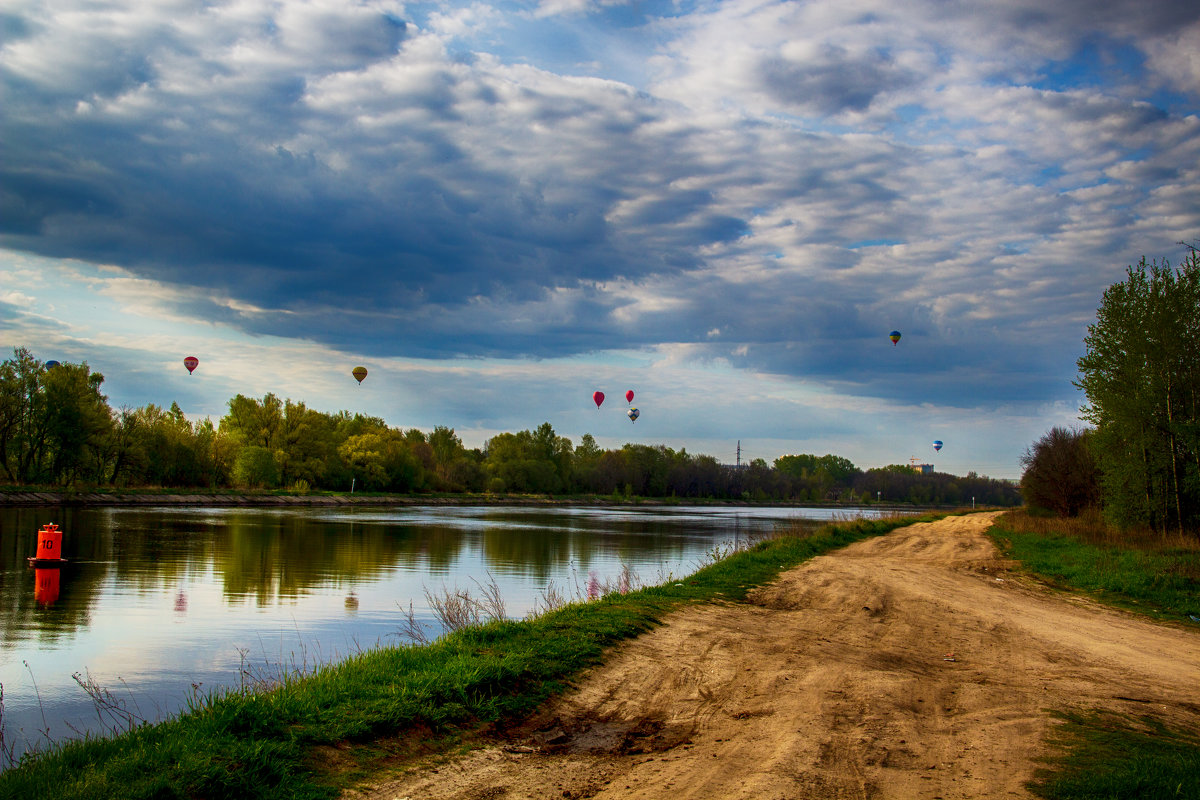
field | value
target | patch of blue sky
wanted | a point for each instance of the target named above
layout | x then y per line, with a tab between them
816	125
1099	62
1048	174
873	243
910	113
1175	102
609	43
1017	248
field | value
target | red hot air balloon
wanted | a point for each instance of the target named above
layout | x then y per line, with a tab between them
191	362
629	396
598	398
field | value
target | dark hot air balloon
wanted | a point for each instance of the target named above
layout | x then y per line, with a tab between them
895	337
937	444
597	398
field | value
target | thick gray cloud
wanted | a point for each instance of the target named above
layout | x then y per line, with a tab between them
833	80
789	181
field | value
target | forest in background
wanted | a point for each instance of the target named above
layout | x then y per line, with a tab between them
56	428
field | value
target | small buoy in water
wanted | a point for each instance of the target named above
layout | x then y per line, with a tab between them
49	547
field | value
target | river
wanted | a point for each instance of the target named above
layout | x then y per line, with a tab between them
153	605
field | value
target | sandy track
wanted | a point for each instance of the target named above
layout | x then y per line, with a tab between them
912	665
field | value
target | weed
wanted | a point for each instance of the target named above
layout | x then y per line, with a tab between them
551	599
111	711
1106	755
8	748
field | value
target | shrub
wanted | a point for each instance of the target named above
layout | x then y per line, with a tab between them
1061	474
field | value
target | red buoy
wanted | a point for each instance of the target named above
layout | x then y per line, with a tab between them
49	547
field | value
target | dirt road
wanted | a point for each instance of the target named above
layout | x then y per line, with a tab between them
913	665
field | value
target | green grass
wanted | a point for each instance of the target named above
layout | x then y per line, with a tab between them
1155	575
274	744
1104	756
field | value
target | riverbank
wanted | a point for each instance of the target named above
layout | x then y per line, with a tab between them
913	665
313	735
16	497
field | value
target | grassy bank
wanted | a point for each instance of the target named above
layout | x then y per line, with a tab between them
1142	571
1105	756
1100	755
385	703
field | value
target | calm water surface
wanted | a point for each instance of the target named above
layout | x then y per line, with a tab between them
156	601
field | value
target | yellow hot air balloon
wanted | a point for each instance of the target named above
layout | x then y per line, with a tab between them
359	373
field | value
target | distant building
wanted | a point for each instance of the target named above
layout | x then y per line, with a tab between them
920	469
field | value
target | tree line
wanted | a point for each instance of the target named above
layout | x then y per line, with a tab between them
1139	462
56	428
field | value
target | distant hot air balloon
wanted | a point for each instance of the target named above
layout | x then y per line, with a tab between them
51	364
937	444
597	398
191	362
629	396
359	373
633	414
895	337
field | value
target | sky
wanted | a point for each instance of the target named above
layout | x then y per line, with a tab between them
499	208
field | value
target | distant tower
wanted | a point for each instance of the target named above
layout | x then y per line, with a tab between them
739	453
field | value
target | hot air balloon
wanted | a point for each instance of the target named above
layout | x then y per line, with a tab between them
51	364
191	362
937	445
597	398
633	414
895	337
359	373
629	396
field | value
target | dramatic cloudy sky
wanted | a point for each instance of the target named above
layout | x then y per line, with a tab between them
498	208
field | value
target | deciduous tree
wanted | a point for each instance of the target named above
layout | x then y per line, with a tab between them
1141	375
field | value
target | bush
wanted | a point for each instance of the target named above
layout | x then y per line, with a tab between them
1061	475
255	468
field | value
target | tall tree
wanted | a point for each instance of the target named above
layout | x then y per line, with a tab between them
53	422
1141	375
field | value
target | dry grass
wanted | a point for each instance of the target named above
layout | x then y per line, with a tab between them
1091	527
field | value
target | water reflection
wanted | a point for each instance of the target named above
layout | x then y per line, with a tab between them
158	600
46	585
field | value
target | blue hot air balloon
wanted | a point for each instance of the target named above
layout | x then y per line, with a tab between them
937	444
